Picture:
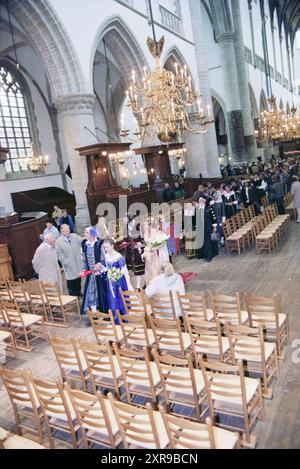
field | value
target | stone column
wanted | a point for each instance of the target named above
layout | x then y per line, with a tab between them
76	111
233	103
250	142
196	162
207	162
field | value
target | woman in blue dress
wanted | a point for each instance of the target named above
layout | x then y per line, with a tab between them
114	259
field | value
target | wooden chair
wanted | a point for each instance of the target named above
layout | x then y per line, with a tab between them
234	242
18	295
231	394
103	367
141	377
169	339
7	340
135	333
26	406
228	308
59	307
194	306
95	416
134	302
139	428
70	360
267	312
162	306
182	384
4	291
258	357
58	411
36	298
26	328
185	434
104	327
207	340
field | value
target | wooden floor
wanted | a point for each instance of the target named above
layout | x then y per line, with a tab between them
261	274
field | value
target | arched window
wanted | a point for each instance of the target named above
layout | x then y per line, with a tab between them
15	131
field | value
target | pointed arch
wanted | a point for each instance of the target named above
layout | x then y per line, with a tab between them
52	43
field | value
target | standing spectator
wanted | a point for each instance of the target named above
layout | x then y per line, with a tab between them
178	191
66	219
168	194
45	262
50	229
68	250
198	193
229	201
276	195
56	214
295	191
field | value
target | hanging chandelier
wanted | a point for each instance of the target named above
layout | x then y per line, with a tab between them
163	100
37	163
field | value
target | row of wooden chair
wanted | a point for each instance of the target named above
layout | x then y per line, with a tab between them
238	309
269	228
92	418
289	206
41	298
238	230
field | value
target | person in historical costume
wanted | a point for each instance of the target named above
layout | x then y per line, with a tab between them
173	231
115	263
45	262
68	250
189	230
229	201
102	229
206	226
165	282
154	257
95	288
218	206
134	248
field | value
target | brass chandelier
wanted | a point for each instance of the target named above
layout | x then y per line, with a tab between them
163	100
37	163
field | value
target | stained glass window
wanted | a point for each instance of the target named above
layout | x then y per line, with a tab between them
14	125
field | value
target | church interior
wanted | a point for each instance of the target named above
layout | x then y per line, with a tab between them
149	224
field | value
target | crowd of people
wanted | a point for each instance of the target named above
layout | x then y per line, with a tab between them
149	245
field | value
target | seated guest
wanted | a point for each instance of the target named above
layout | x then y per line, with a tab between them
50	229
68	250
179	192
45	262
56	214
66	219
168	194
167	281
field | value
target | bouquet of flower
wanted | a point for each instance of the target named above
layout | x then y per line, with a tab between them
158	240
114	274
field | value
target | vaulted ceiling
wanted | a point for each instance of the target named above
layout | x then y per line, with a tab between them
288	12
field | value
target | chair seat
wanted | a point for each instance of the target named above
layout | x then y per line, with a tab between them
19	442
145	384
240	354
75	367
108	374
225	439
223	317
186	342
178	393
28	319
65	299
141	341
212	346
269	325
4	335
228	403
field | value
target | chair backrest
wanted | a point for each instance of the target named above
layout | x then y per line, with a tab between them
227	229
66	352
137	426
99	360
220	385
91	411
52	293
263	310
34	291
134	302
4	290
172	378
246	343
17	291
134	330
13	314
103	325
226	307
167	334
135	368
186	434
239	220
19	388
206	338
162	306
53	399
193	305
